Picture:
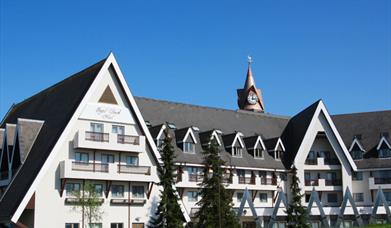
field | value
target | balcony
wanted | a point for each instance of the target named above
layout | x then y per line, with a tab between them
108	141
376	182
196	177
97	136
111	171
333	182
145	170
246	180
90	167
128	139
314	182
268	181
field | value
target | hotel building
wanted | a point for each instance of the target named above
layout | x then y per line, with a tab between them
89	128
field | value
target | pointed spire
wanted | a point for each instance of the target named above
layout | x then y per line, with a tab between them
249	79
250	98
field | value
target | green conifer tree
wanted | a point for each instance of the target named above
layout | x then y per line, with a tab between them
168	214
216	202
297	213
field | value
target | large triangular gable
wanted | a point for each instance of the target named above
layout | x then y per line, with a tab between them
110	62
321	119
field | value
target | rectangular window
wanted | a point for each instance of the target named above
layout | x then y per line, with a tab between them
116	225
95	225
192	196
258	153
116	129
96	127
71	225
98	188
132	160
357	176
358	197
237	151
239	196
81	157
72	188
278	154
307	197
138	191
263	197
332	198
107	158
117	191
188	147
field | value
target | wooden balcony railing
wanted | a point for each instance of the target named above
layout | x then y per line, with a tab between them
311	182
311	161
333	182
128	139
268	181
196	177
382	180
97	136
90	167
246	180
146	170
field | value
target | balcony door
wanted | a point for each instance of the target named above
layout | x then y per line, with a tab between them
331	176
96	127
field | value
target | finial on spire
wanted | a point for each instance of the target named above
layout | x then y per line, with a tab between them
249	60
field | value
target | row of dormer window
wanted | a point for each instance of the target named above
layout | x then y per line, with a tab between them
186	141
383	148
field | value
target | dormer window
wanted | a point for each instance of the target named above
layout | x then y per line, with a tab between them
278	154
258	153
385	153
384	148
357	154
189	147
237	151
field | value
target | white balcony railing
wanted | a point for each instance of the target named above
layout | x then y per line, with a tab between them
109	141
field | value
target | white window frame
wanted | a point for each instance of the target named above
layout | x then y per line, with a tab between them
237	151
189	147
135	195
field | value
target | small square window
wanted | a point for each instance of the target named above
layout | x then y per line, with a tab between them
188	147
263	197
132	160
192	196
81	157
116	129
72	189
138	191
107	158
117	191
71	225
332	198
116	225
258	153
239	196
358	197
98	188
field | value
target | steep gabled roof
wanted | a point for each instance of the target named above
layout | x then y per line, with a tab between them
55	105
295	131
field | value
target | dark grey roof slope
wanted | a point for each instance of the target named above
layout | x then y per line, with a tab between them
369	126
55	105
294	133
207	119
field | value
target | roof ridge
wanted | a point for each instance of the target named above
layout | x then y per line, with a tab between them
358	113
59	83
215	108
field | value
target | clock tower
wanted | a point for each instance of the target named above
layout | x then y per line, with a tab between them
250	98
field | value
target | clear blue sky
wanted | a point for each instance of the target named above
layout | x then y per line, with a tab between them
195	51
